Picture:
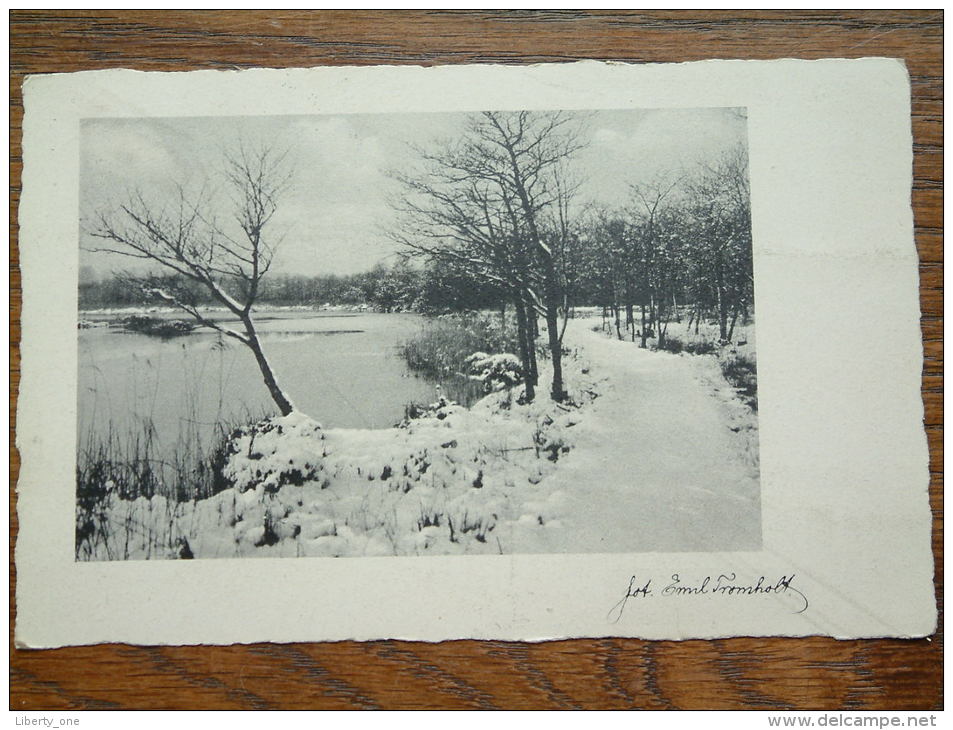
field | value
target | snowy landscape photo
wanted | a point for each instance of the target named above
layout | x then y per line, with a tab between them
514	332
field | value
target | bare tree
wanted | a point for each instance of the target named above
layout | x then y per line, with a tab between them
720	201
459	218
561	231
656	262
493	203
527	152
186	238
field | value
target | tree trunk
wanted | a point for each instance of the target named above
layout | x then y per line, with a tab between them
629	315
722	314
629	318
525	348
642	333
532	332
731	327
558	392
551	297
566	312
618	325
661	328
533	367
281	400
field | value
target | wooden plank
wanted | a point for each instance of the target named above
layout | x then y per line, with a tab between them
810	673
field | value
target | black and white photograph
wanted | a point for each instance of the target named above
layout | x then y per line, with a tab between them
500	332
570	350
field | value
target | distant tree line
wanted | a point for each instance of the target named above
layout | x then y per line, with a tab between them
385	288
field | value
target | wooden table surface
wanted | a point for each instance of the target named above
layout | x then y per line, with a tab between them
809	673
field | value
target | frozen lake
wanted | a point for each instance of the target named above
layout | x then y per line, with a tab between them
342	369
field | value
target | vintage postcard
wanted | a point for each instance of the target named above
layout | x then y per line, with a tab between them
471	352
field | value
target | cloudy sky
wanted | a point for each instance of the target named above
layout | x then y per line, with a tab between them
335	212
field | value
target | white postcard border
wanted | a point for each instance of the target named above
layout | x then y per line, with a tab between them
843	452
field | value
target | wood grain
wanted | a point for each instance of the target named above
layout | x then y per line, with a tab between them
810	673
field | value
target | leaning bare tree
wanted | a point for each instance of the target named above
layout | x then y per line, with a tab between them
226	256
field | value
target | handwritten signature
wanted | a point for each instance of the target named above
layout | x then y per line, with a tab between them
725	584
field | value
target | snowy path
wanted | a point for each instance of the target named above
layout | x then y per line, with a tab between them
654	466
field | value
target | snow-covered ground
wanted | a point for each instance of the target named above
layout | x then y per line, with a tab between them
655	454
667	460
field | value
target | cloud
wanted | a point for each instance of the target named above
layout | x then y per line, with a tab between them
629	147
336	160
123	150
334	210
604	137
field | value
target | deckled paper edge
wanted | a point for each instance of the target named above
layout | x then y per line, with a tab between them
25	448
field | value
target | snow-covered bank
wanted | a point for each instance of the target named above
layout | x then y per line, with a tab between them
644	460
